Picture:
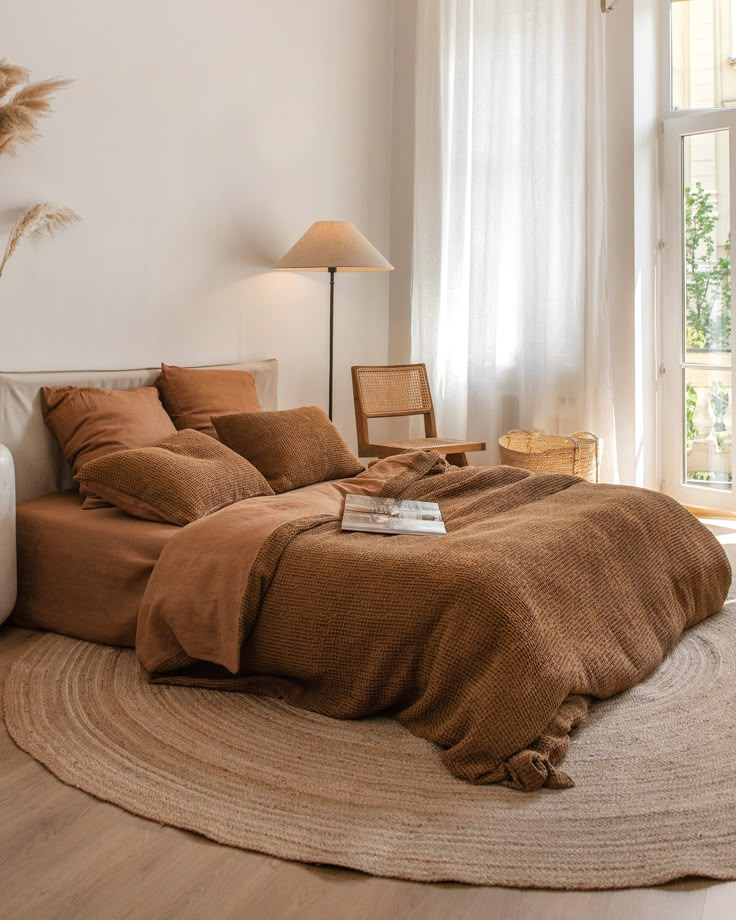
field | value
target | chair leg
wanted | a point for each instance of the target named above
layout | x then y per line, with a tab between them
457	459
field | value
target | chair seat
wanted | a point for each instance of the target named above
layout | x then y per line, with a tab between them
443	445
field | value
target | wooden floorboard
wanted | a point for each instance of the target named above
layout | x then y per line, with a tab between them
66	856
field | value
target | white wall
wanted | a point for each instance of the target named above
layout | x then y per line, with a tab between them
198	142
619	78
632	120
648	91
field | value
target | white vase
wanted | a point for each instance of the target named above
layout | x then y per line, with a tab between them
8	571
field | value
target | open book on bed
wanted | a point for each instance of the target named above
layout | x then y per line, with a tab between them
391	515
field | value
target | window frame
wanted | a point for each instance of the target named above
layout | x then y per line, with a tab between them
676	124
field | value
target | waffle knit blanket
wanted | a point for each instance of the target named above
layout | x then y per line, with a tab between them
546	593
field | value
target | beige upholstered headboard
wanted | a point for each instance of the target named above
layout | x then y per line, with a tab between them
40	467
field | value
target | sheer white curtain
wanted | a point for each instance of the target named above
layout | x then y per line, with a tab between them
509	306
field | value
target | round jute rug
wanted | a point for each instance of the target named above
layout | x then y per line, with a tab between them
655	797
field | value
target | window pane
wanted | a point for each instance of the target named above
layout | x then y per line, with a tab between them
708	427
707	248
703	52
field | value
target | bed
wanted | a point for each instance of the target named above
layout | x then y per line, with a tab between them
547	593
80	573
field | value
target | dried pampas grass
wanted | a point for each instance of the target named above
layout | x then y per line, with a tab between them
41	218
21	105
16	127
19	113
11	76
35	98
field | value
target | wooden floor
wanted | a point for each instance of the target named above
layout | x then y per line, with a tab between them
63	854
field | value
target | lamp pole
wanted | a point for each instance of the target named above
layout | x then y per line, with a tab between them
332	329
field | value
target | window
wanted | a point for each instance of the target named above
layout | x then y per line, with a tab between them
703	53
699	224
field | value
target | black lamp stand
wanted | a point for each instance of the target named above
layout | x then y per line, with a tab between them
332	329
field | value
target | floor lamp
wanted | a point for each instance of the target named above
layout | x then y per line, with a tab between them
333	246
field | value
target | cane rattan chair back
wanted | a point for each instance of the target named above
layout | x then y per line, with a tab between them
392	392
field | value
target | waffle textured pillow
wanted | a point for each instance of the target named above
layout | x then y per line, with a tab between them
291	448
186	477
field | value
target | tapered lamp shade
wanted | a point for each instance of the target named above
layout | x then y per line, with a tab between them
334	244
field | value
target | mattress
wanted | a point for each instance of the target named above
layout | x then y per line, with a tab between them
83	573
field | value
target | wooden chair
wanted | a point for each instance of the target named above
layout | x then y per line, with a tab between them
395	391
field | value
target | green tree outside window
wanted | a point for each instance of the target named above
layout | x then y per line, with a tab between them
707	275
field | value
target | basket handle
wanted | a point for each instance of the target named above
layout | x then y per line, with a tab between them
529	433
588	434
597	440
576	455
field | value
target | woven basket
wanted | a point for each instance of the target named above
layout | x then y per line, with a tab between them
578	453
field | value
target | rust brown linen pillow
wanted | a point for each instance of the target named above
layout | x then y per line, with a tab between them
192	396
292	448
90	422
186	477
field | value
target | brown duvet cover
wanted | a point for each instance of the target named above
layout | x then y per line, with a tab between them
491	641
